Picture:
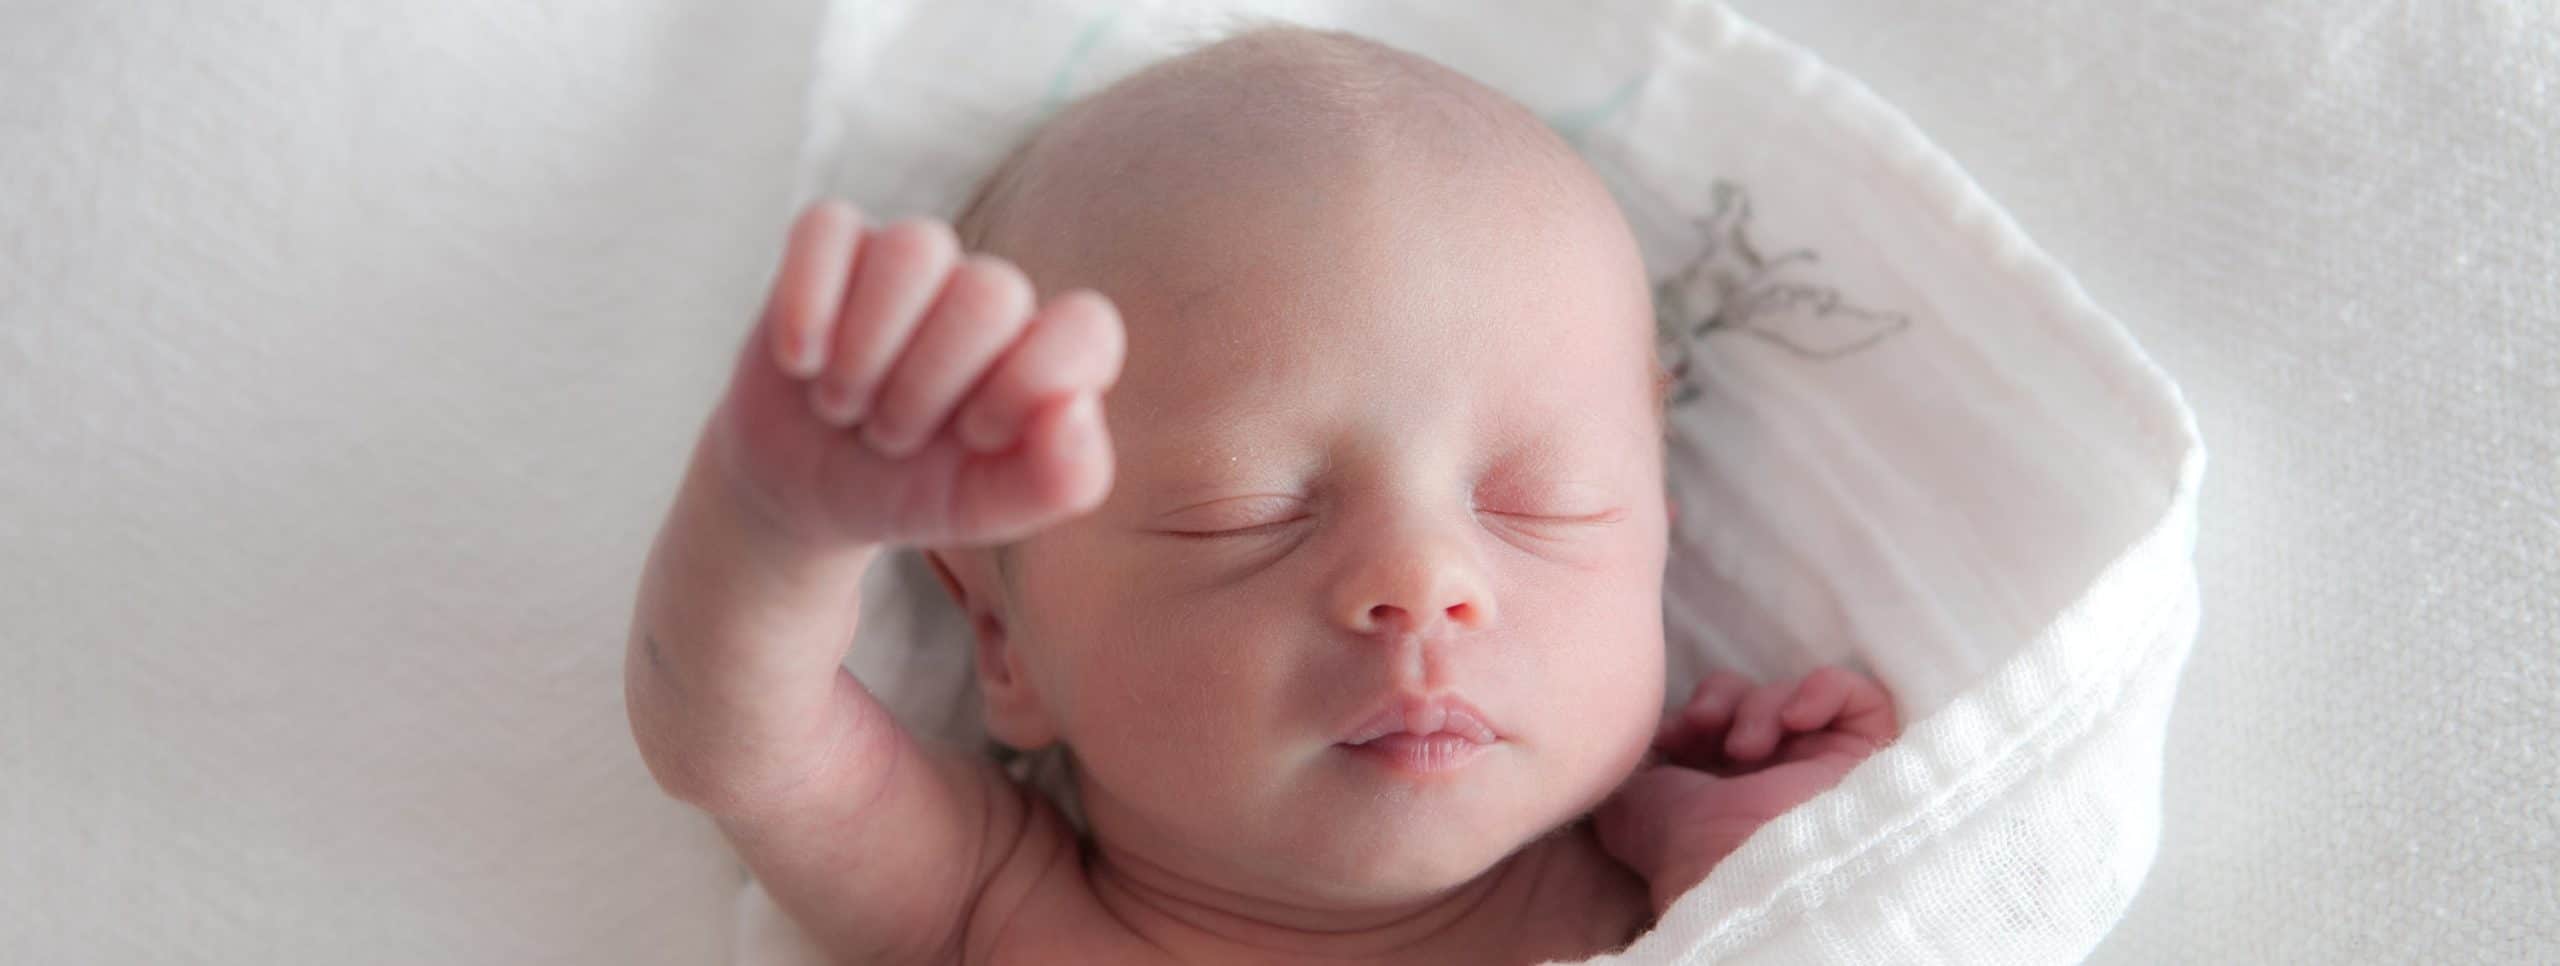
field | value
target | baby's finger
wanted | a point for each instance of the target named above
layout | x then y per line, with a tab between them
1867	711
1694	734
1818	698
1062	468
982	309
1755	724
1711	706
1816	744
800	312
1073	344
899	271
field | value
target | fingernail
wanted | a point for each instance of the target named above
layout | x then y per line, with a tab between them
882	443
1083	412
828	399
1084	416
1746	736
805	358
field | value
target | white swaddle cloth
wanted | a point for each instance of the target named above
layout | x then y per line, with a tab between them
1903	439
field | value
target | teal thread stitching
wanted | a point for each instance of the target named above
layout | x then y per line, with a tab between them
1572	125
1086	39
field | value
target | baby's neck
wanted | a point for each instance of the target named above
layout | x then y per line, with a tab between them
1559	898
1202	922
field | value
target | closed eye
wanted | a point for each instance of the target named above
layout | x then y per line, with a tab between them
1232	517
1598	518
1255	530
1549	504
1549	533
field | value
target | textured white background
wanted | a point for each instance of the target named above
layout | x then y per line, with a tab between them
351	350
347	353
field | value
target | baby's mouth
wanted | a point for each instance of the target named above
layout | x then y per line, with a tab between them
1421	735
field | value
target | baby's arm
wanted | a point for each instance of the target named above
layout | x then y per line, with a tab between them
894	392
1736	756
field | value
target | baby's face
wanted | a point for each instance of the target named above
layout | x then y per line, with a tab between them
1389	459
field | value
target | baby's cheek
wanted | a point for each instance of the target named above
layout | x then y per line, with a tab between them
1604	682
1161	699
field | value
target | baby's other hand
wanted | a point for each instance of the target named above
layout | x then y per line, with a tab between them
899	391
1732	758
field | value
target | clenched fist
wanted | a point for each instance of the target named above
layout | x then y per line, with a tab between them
899	391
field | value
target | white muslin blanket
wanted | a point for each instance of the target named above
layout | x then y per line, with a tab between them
1903	439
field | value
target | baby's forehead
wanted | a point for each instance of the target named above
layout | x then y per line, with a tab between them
1249	131
1294	217
1386	335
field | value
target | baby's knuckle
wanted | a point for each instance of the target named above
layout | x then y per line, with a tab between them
891	408
986	289
1003	273
917	243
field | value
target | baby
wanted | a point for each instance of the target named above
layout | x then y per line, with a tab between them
1347	604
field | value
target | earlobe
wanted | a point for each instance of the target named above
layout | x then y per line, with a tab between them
1013	708
1015	713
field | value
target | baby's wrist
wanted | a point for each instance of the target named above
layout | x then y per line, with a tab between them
761	530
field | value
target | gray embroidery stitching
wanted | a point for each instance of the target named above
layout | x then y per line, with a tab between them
1732	287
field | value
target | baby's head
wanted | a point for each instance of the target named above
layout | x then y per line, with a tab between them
1389	460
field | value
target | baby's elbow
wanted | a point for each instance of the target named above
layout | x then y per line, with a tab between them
679	771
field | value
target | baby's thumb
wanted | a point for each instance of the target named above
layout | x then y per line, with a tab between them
1060	467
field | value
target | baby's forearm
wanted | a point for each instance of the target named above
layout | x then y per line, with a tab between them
736	645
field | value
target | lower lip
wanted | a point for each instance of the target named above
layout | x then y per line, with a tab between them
1419	754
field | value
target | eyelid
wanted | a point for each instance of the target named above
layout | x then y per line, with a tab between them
1556	503
1232	516
1607	516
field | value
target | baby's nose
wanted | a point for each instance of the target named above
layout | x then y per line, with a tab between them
1390	618
1415	590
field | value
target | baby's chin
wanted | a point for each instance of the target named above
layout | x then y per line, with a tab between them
1383	839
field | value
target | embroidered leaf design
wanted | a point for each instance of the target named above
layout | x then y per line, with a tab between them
1775	298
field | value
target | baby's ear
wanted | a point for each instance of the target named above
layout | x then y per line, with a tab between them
1015	713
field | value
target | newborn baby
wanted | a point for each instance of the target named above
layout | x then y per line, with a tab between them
1344	594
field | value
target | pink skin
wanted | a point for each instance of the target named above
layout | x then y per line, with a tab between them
1345	594
1372	603
1733	757
1365	462
989	426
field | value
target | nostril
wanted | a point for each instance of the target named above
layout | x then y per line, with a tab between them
1382	613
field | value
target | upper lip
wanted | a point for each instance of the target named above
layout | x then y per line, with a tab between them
1413	714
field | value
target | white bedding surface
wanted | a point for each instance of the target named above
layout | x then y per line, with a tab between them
348	352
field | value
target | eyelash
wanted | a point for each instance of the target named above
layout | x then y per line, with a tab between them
1295	514
1534	519
1605	516
1258	529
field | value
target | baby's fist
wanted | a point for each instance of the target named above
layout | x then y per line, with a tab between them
1734	757
899	391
